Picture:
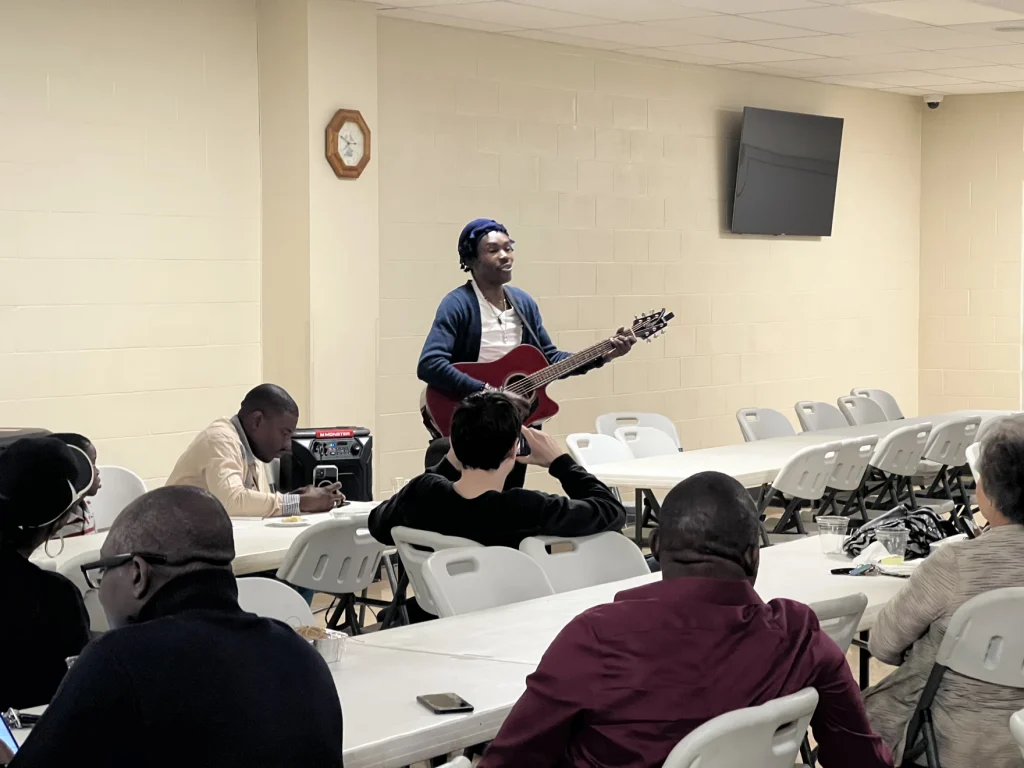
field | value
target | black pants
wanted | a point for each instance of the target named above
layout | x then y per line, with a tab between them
438	449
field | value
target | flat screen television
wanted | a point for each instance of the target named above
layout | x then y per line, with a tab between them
786	173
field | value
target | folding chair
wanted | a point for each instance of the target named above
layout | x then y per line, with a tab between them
888	403
339	558
607	423
802	478
947	447
1017	728
585	561
589	450
816	415
763	424
896	458
860	410
414	547
274	600
468	579
120	488
984	641
849	476
766	736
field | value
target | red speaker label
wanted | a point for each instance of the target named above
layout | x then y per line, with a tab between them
327	434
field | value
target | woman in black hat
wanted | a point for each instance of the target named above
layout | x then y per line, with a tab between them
42	481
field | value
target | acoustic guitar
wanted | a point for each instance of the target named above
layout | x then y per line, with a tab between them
526	372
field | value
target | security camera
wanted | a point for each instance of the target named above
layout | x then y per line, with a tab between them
933	101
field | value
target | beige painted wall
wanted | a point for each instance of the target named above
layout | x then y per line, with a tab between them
972	172
129	220
611	174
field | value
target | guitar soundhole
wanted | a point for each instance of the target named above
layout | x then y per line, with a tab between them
530	397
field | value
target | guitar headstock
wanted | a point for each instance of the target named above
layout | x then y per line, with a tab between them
651	324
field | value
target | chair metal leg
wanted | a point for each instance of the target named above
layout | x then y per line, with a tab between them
765	541
864	661
931	745
807	755
639	516
910	493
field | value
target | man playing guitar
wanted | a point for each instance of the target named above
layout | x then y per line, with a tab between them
485	319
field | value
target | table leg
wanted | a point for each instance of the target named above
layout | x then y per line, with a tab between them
639	513
865	662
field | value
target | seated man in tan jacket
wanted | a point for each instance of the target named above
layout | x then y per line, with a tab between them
229	459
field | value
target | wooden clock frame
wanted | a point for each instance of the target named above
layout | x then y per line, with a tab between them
341	170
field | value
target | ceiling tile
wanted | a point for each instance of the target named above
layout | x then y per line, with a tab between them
742	53
1010	5
413	14
668	54
931	60
750	6
993	73
914	79
520	16
835	20
827	66
833	45
417	3
909	91
968	88
565	39
740	28
616	10
999	54
853	82
1004	33
643	35
928	38
941	12
761	69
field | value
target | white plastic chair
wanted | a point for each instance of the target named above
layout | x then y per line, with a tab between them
897	457
860	410
607	423
1017	728
589	450
815	415
947	448
120	488
883	398
973	454
584	561
803	478
470	579
763	423
414	547
840	617
766	736
983	641
336	557
72	570
646	441
274	600
849	474
458	762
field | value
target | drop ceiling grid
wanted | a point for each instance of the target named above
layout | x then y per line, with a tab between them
907	46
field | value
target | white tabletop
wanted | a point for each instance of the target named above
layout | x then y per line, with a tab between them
751	463
259	545
522	632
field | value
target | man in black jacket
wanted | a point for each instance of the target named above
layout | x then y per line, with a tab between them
464	496
186	677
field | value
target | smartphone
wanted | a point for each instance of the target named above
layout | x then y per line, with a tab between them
969	526
860	570
524	447
445	703
325	474
7	738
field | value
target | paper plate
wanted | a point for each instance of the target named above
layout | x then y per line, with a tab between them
287	524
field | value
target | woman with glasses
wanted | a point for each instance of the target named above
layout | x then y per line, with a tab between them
42	481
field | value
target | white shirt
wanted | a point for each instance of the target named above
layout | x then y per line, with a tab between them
500	331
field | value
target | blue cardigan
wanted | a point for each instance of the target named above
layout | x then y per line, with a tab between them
455	338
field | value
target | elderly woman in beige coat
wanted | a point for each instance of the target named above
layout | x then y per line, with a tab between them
971	717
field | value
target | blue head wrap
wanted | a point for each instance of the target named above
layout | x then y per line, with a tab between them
471	234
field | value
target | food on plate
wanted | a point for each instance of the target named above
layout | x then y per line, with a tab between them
312	633
292	519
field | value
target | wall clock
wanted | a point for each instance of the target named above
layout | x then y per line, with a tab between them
348	143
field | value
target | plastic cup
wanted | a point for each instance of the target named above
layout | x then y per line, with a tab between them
832	533
398	483
895	542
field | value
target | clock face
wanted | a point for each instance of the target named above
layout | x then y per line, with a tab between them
351	144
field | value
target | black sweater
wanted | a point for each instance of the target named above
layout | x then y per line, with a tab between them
196	681
501	518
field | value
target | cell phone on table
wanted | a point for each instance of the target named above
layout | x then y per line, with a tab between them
7	738
860	570
445	703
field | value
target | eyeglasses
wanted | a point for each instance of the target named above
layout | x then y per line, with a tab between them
96	570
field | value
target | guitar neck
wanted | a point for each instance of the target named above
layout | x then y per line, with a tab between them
562	368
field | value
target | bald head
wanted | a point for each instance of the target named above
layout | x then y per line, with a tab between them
709	520
179	522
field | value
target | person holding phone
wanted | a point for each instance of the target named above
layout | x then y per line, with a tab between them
464	495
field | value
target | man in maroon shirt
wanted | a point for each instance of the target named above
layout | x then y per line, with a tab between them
624	682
